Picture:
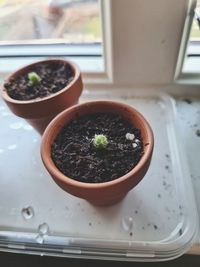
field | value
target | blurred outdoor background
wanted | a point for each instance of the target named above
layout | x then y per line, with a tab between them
195	30
69	21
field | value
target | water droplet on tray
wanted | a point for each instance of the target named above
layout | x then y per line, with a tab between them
28	127
39	239
16	125
5	113
127	223
43	229
12	147
27	212
2	108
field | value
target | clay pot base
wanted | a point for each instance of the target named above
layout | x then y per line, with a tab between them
40	124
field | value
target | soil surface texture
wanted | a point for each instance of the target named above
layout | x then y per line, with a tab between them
53	78
75	155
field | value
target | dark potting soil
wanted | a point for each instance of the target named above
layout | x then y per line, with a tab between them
54	77
74	154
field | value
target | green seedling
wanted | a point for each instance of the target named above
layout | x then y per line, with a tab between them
100	141
33	78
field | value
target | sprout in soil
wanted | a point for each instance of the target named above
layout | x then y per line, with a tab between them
33	78
100	141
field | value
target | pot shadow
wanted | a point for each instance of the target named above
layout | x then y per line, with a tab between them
110	213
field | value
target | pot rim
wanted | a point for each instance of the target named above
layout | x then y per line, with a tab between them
55	124
23	70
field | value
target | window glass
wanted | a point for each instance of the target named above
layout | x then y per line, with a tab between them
192	60
50	21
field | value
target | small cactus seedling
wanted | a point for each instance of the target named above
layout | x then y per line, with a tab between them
100	141
33	78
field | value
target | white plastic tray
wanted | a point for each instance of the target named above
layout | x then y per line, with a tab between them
156	221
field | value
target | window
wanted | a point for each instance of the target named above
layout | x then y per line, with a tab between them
31	30
192	59
140	44
66	21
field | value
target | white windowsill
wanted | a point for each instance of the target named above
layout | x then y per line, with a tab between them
86	64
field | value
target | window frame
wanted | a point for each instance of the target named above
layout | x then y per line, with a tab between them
39	50
180	76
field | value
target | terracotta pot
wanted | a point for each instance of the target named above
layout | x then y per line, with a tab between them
102	193
39	112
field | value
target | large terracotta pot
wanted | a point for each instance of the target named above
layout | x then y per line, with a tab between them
39	112
102	193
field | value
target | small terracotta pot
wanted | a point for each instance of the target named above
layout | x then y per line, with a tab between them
39	112
101	193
